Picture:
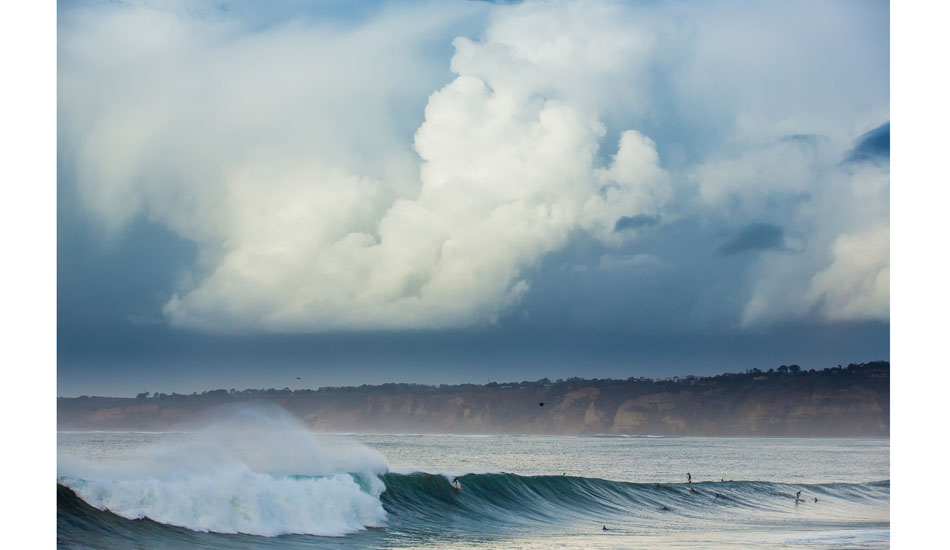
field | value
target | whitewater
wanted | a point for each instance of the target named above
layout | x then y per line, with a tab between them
256	477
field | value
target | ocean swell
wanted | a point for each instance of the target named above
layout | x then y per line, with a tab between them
254	470
420	502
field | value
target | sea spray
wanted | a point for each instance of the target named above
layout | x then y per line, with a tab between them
251	469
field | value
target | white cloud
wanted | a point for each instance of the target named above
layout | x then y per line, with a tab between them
835	219
286	153
275	152
857	283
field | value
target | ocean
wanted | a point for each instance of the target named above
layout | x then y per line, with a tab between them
256	478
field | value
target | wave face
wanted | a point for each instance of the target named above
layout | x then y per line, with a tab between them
512	500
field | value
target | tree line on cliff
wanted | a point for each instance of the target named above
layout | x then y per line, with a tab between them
786	400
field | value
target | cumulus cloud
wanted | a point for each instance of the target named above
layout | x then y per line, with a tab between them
826	255
344	176
274	151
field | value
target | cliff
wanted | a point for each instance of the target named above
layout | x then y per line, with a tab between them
853	401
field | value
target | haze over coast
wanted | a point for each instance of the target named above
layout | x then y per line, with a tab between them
787	401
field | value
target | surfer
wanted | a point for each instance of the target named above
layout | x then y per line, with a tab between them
605	528
456	484
689	478
541	404
816	499
664	508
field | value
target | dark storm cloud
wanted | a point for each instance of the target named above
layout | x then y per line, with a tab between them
133	360
753	237
659	283
635	222
873	145
108	284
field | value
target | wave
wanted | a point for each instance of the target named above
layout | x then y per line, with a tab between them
342	503
251	470
258	471
242	502
504	498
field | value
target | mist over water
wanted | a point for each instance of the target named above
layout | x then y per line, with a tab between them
257	470
250	469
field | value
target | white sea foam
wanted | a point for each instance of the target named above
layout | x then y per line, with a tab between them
248	469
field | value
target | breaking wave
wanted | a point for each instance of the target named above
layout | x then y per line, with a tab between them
269	505
253	470
258	471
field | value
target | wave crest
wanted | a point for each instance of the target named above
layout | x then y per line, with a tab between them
251	469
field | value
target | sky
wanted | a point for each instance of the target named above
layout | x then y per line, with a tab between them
446	192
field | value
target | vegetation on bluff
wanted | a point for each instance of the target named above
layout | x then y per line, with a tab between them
786	400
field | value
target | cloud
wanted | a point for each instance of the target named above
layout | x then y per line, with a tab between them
412	167
857	283
753	237
840	271
875	144
641	263
635	222
276	151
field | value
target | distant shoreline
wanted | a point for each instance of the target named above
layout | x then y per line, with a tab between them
851	401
